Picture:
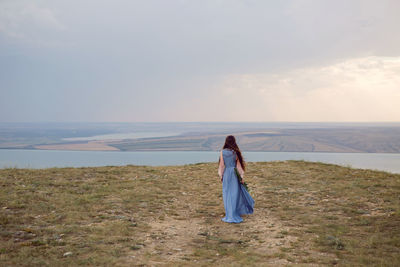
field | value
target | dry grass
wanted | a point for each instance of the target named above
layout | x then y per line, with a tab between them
306	213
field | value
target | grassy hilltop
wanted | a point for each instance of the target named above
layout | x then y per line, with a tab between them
305	213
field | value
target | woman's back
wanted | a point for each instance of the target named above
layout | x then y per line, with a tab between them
229	157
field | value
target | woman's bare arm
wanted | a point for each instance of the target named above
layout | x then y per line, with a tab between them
221	166
239	168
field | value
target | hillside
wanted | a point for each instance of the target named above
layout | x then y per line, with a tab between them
306	213
356	139
282	137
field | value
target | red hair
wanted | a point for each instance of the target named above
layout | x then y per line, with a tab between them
230	143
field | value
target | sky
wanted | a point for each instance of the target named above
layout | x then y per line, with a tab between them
209	60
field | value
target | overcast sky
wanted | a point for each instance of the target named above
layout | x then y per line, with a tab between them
217	60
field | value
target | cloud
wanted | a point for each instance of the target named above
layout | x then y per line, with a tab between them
204	60
360	89
29	22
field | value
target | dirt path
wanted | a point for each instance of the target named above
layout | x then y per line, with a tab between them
191	231
177	240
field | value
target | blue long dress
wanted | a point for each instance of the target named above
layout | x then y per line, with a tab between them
237	201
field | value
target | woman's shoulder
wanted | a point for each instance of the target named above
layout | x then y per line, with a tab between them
227	150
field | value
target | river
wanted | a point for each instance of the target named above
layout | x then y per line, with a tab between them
54	158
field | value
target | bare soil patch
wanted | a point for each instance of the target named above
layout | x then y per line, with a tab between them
89	146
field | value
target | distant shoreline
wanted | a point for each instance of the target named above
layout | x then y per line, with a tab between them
156	150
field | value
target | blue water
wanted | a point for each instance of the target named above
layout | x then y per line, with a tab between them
53	158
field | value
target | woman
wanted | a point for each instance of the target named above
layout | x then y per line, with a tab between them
237	201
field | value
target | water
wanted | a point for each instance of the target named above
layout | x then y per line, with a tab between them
54	158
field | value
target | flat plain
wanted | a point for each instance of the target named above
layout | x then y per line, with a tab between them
305	214
355	140
282	137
